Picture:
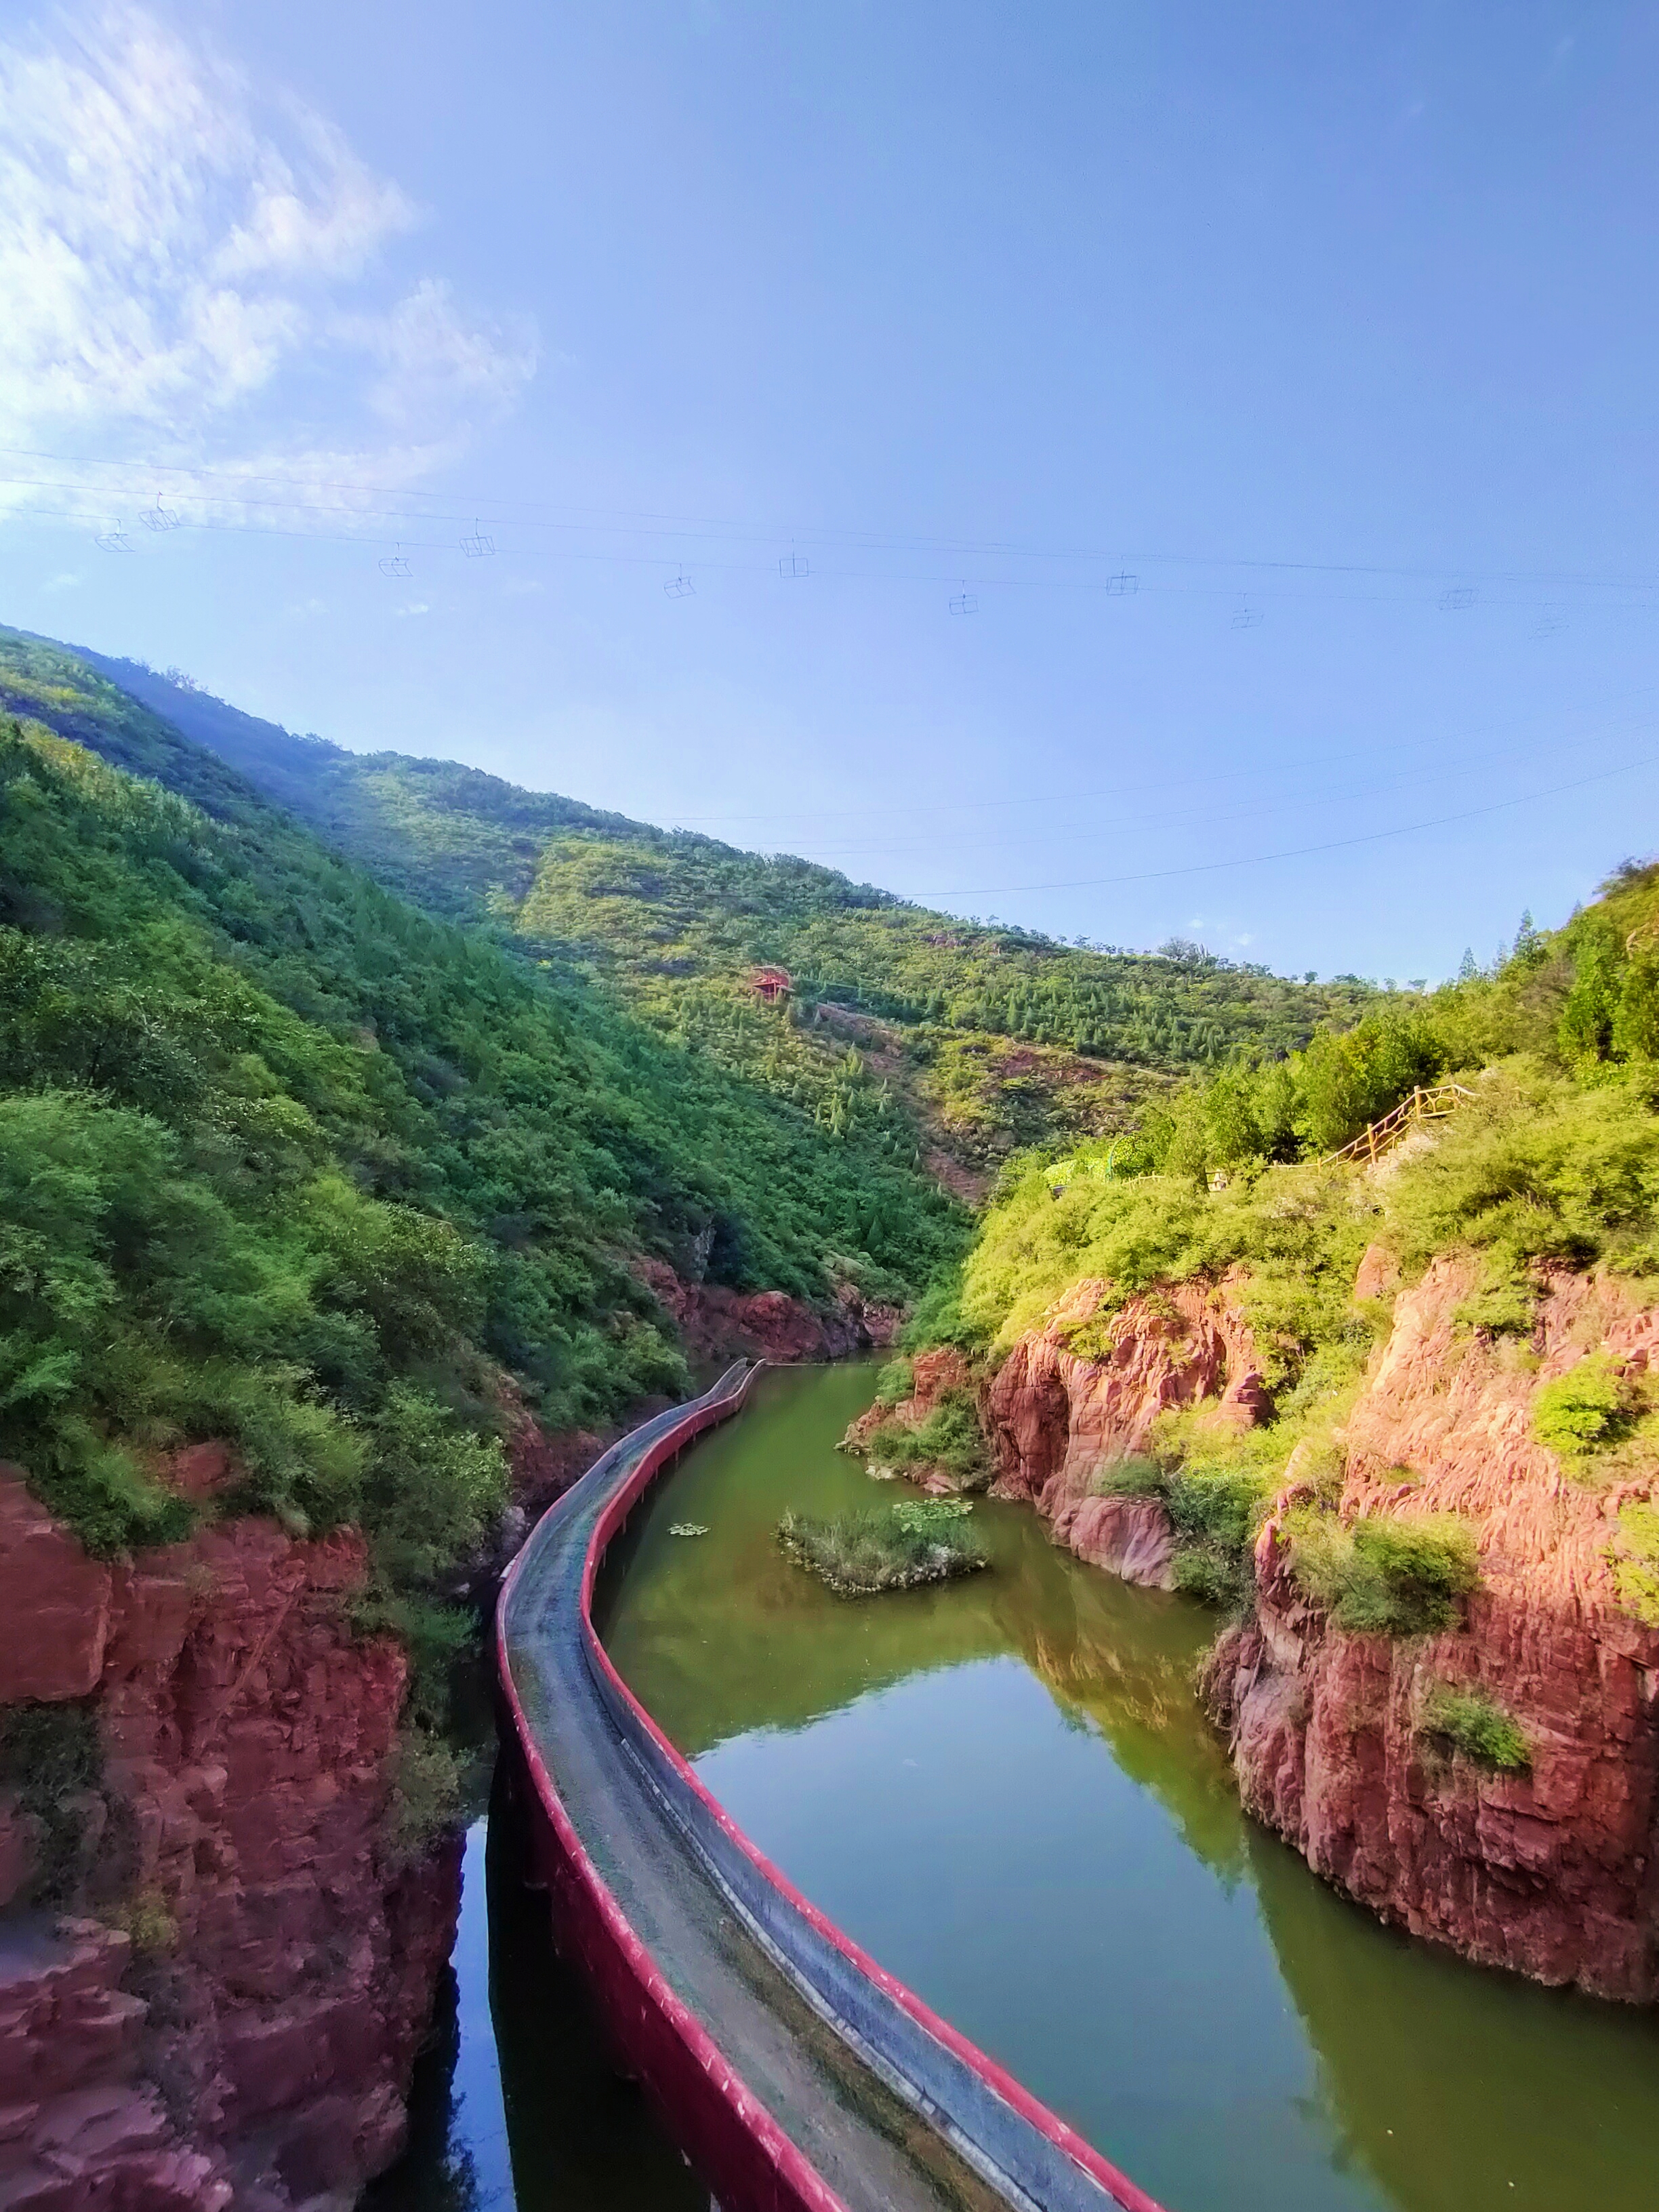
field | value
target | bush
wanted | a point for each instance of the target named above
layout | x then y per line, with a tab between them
1134	1477
1473	1724
49	1757
1214	1510
145	1918
861	1553
949	1438
1635	1560
425	1794
1384	1576
1587	1410
894	1382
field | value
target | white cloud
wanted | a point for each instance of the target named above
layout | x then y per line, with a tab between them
414	607
191	271
63	583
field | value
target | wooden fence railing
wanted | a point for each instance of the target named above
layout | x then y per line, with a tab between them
1432	1104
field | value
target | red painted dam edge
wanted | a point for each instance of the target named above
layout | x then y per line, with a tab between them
724	2129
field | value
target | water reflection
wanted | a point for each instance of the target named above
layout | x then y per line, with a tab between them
1005	1789
515	2107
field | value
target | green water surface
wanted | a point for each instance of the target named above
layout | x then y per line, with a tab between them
1004	1789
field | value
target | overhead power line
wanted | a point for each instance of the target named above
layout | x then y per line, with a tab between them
451	506
1295	853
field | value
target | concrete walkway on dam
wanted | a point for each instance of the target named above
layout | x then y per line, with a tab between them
886	2116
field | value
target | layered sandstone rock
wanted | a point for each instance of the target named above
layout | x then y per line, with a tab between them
1552	1871
264	2042
1057	1416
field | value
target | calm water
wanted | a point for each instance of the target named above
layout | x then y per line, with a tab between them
1005	1790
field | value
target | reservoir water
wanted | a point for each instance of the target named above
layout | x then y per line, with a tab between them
1004	1789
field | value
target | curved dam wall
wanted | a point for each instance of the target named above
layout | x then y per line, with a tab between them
1028	2157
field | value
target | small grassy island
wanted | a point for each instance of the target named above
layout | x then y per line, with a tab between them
858	1554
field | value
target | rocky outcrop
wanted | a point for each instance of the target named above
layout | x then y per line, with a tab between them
1551	1871
934	1376
717	1323
1082	1392
251	2038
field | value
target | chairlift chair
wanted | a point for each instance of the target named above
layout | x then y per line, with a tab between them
1246	617
794	564
113	541
680	586
393	564
159	517
479	547
1124	584
1461	596
965	602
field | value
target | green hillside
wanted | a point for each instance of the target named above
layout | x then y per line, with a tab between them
983	1040
285	1160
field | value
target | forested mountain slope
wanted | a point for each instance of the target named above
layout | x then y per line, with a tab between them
983	1038
286	1161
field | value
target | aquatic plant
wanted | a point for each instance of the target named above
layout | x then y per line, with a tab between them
861	1553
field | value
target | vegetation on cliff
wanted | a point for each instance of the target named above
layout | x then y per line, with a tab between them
1552	1161
288	1164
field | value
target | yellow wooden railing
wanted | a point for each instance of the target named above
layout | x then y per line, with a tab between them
1430	1104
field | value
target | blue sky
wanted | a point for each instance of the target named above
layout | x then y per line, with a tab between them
1274	391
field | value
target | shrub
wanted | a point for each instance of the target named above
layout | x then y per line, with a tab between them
1214	1509
949	1438
1134	1477
1474	1725
1635	1560
861	1553
1384	1576
1587	1410
894	1382
1503	1309
145	1918
425	1794
49	1757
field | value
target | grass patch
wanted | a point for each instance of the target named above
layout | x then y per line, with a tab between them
1382	1575
1476	1726
861	1553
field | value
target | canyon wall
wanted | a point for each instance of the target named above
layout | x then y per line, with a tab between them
1552	1870
230	2011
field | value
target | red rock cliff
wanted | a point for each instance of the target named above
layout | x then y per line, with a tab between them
1056	1417
259	2052
717	1323
1551	1871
